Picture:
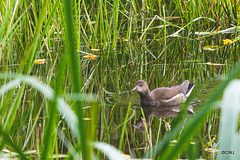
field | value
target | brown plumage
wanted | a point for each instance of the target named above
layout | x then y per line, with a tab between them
163	96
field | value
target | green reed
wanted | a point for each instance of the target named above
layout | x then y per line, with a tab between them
150	40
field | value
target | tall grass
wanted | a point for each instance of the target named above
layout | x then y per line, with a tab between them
47	110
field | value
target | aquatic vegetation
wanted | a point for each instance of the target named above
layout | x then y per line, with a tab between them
39	61
90	56
227	41
67	70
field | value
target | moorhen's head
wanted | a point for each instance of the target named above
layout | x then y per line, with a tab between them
141	87
140	127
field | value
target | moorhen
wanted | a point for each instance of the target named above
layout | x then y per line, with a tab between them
163	96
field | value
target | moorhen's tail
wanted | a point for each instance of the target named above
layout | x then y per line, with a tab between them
185	85
190	88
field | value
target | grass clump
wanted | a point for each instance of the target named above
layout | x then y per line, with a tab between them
67	69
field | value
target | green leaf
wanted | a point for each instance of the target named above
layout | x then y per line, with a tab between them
230	139
110	151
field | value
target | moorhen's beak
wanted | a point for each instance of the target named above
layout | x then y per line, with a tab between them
134	125
134	89
139	127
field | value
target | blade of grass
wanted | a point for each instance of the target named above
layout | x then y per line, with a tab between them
73	59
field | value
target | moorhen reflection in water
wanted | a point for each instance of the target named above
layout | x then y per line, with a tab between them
160	112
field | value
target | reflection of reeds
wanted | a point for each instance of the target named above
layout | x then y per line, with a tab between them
162	42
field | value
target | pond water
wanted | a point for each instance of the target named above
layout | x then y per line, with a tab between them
135	138
116	43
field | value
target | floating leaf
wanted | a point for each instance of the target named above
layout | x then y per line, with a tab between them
214	64
90	56
202	33
87	119
227	41
124	39
228	30
210	48
212	150
40	61
95	50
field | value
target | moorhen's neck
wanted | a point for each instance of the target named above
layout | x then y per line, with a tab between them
145	96
145	92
